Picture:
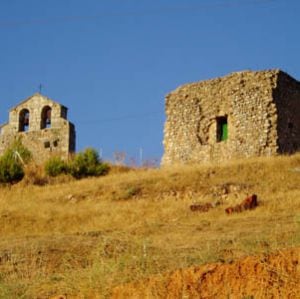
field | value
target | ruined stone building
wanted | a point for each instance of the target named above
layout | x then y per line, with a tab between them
243	114
42	126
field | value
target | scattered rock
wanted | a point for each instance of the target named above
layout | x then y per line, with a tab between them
70	196
59	297
224	190
249	203
204	207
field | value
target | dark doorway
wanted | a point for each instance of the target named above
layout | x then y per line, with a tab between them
222	128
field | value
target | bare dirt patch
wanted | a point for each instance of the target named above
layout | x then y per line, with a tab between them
265	276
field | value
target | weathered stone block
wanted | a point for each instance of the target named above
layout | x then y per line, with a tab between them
243	114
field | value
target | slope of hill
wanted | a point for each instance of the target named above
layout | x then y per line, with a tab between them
84	238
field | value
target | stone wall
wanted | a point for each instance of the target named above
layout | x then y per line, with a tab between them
287	98
246	99
59	139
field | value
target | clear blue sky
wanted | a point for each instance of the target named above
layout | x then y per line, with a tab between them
112	62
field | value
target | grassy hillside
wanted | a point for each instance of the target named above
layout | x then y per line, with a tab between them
83	238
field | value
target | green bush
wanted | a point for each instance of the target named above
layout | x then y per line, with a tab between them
55	166
12	162
87	163
10	170
84	164
19	149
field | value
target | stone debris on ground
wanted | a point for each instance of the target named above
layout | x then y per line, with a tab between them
249	203
204	207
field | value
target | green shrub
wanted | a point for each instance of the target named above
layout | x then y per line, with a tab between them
55	166
12	162
19	149
84	164
87	163
11	169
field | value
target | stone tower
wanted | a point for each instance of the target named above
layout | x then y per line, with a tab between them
243	114
42	126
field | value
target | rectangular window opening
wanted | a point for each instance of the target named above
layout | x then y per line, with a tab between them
222	128
46	144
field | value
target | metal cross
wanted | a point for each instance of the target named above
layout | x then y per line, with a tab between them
40	88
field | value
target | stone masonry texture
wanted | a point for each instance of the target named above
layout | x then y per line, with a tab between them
261	109
58	138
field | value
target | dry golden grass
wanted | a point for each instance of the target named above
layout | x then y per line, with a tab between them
82	238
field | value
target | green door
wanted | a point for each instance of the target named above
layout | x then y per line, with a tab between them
224	129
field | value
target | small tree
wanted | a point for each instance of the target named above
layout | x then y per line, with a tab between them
87	163
12	162
55	166
20	151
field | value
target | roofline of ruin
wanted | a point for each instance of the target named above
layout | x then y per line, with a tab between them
275	71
